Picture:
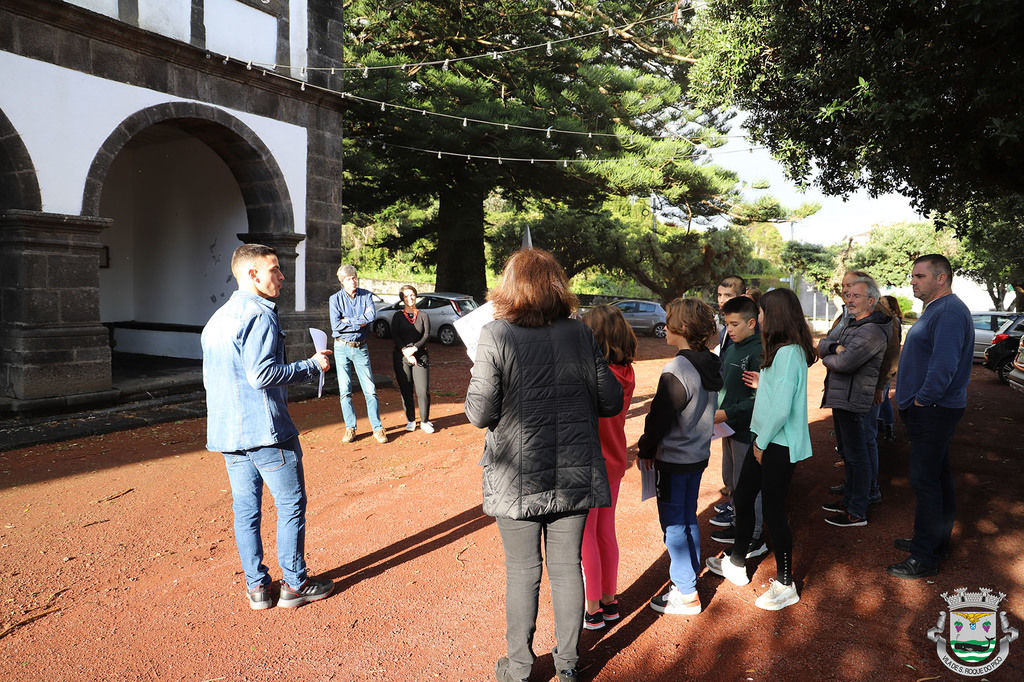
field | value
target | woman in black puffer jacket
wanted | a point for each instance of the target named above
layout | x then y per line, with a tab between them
538	385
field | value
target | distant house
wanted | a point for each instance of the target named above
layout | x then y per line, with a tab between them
139	146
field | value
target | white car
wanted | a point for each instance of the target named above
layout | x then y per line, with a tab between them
442	308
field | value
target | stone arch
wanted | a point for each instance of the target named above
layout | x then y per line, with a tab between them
267	201
19	187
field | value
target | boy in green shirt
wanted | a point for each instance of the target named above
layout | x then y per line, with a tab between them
736	403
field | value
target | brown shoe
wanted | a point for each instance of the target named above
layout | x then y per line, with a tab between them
380	436
350	435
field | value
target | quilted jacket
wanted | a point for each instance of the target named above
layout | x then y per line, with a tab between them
539	392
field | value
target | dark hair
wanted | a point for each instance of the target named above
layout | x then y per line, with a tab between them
246	254
939	265
693	319
892	305
734	282
784	324
740	305
533	290
754	294
614	336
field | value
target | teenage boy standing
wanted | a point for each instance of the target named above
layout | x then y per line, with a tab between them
736	404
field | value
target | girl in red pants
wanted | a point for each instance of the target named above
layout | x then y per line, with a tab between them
600	548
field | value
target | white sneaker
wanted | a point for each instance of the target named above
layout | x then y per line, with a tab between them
410	426
720	565
427	427
675	603
777	597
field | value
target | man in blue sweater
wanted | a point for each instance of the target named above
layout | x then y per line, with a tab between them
931	393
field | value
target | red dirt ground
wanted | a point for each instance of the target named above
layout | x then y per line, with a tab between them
117	560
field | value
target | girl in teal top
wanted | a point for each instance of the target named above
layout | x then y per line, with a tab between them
781	439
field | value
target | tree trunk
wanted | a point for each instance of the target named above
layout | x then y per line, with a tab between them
996	292
460	239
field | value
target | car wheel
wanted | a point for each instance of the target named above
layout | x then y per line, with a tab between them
447	335
659	330
1003	371
381	329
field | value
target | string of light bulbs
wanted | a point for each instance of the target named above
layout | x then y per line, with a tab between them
548	46
466	120
501	160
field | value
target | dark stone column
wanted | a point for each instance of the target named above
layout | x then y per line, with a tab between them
51	341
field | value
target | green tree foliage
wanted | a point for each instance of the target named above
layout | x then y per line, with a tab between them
891	250
913	96
619	240
992	255
815	262
621	89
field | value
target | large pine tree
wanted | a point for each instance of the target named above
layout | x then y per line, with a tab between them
619	88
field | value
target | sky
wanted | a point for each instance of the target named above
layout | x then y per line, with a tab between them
835	221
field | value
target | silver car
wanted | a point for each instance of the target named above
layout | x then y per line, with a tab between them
443	308
986	325
645	317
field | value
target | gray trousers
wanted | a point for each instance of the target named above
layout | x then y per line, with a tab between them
562	535
735	450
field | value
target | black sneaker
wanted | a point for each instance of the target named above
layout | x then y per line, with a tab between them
309	590
846	520
723	507
723	519
834	507
726	536
570	675
259	598
610	611
593	621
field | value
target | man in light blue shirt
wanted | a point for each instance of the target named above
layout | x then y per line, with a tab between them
352	313
245	375
931	393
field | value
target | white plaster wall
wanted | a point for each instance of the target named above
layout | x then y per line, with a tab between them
107	7
172	18
298	37
64	116
177	211
240	31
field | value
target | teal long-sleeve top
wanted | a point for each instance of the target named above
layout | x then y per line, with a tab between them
780	407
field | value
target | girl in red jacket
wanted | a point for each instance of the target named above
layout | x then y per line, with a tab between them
600	550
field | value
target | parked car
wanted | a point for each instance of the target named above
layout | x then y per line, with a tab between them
999	356
986	326
443	308
1016	375
645	317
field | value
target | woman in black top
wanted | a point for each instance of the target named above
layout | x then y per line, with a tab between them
410	329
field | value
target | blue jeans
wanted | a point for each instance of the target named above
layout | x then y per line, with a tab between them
930	429
885	411
855	427
677	512
347	358
563	538
280	467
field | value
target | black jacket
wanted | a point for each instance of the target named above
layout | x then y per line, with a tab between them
539	392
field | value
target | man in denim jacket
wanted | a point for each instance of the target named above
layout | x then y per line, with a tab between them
245	375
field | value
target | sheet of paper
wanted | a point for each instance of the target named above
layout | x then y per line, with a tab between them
648	487
469	326
722	430
320	343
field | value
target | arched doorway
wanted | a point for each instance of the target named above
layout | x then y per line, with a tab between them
184	184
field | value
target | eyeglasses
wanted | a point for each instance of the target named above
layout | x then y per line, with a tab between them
854	296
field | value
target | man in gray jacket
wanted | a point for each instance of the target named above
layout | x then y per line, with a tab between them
853	358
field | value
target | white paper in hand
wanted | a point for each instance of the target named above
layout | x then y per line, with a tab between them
471	324
320	343
648	487
722	430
